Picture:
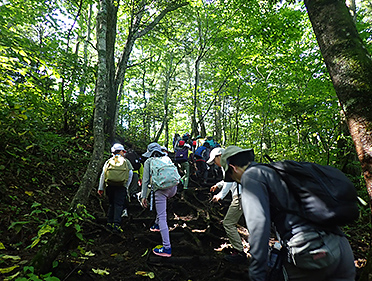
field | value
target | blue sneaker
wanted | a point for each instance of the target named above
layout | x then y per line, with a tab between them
155	228
161	251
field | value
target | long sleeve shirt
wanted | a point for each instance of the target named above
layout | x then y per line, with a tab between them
101	184
261	188
226	187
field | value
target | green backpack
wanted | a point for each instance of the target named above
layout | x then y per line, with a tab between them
117	171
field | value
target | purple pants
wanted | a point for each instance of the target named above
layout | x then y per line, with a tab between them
161	196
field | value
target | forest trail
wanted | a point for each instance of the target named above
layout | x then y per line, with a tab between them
198	240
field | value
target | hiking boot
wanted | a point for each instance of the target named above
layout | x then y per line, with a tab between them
161	251
236	257
117	228
155	228
124	213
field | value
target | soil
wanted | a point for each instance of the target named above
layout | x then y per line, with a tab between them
198	239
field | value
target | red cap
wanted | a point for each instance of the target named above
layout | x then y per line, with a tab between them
181	143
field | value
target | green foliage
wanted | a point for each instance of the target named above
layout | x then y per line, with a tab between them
30	275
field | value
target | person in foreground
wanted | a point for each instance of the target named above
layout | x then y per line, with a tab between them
262	189
162	194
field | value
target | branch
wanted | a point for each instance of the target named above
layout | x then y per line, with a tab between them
151	25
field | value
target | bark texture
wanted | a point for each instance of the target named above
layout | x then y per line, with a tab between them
350	67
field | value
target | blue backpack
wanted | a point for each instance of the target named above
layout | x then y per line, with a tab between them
181	156
199	151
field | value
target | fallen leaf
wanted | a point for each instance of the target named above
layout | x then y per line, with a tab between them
7	257
101	271
8	269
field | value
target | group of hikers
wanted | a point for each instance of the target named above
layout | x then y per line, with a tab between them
309	250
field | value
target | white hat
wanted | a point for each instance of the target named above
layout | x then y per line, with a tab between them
117	147
215	152
187	145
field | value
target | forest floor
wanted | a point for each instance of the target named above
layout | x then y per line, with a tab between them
198	239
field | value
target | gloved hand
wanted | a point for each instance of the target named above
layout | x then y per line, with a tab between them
100	192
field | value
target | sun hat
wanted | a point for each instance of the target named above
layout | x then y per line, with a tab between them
214	153
151	148
117	147
229	152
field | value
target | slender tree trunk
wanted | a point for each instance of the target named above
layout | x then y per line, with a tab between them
350	67
194	123
112	10
86	42
237	114
218	118
137	30
165	97
43	260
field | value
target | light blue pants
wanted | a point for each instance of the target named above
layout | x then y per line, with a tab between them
161	196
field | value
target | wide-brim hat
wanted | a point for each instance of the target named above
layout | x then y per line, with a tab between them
151	148
229	152
214	153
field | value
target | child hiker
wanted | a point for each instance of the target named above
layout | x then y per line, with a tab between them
116	176
161	175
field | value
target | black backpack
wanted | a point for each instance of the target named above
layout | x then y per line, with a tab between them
325	195
134	159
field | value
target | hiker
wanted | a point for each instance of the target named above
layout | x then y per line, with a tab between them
233	213
212	143
262	190
135	186
116	176
182	158
186	138
198	141
201	155
176	140
162	192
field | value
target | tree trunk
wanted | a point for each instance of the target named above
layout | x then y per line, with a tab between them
86	42
218	118
111	19
137	30
168	76
43	260
194	123
350	67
